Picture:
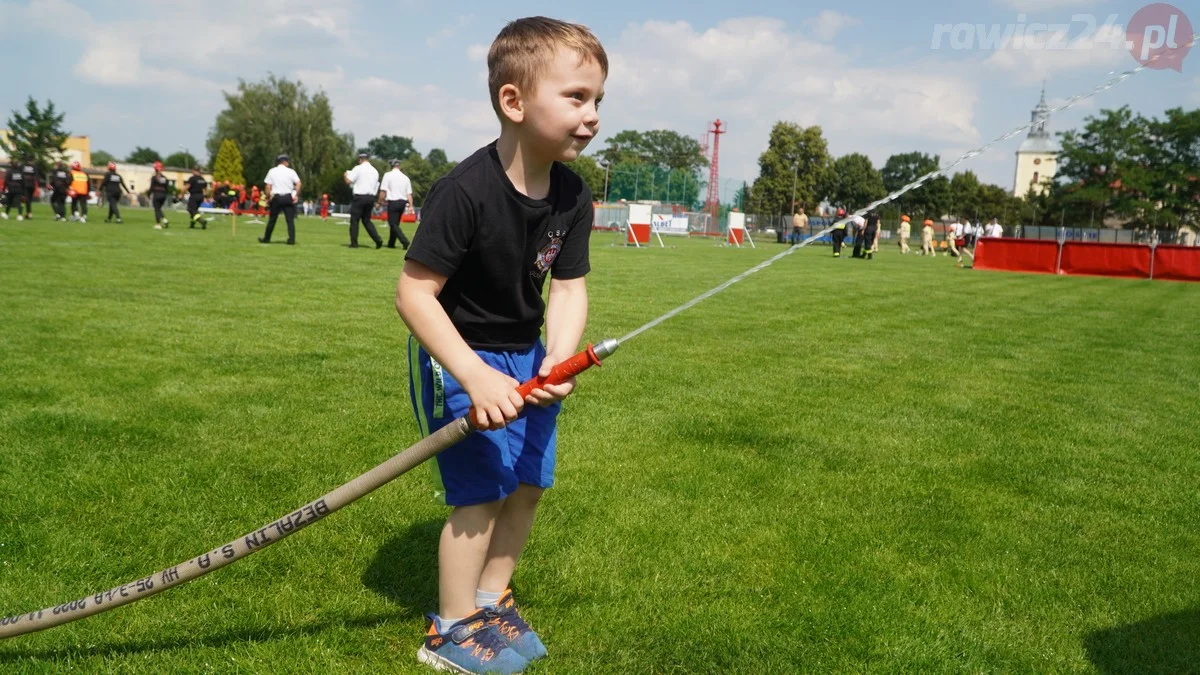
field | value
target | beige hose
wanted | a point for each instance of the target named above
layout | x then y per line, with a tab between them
237	549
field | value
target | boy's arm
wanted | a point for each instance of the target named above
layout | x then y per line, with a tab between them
566	318
492	393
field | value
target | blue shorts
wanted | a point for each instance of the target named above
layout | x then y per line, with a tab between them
487	465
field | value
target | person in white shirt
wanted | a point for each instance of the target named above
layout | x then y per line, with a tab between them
954	236
396	192
364	183
283	187
995	229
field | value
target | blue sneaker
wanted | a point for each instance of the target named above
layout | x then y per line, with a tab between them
471	645
513	628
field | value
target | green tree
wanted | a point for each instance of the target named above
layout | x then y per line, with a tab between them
228	166
388	148
102	158
277	115
1109	162
591	173
928	201
794	171
662	147
142	155
857	182
182	160
36	136
965	195
1174	151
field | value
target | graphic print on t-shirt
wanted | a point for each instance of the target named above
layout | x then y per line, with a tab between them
546	256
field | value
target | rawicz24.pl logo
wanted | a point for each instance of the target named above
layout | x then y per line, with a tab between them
1158	36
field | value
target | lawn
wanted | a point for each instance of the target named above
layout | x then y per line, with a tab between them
834	465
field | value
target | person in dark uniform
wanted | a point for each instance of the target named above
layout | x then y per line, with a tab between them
196	185
113	185
283	186
871	235
14	190
158	195
839	233
32	178
60	182
859	224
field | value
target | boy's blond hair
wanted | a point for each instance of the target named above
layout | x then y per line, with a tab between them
521	52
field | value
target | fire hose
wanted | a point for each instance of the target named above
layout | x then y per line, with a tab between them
289	523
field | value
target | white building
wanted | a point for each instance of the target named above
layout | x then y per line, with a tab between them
1037	158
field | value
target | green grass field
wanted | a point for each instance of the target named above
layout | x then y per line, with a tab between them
834	465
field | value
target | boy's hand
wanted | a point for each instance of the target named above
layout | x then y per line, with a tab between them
551	393
494	398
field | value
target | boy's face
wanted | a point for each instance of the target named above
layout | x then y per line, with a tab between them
562	115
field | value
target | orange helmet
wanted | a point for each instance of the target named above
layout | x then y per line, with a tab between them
75	165
928	221
112	166
158	166
841	212
905	218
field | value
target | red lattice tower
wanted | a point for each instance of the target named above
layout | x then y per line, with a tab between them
714	175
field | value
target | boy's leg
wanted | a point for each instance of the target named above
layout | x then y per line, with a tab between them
511	531
462	552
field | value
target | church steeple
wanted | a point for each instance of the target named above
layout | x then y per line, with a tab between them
1037	158
1039	117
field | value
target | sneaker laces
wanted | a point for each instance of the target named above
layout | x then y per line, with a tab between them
499	616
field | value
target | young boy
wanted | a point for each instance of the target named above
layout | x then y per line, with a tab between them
471	294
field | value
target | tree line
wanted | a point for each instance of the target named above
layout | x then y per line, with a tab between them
1119	167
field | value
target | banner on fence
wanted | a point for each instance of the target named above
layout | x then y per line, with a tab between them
670	224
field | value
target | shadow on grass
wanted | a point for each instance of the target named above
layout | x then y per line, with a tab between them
258	634
1163	644
405	569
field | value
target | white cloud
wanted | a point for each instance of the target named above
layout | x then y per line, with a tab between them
1044	5
447	32
477	52
829	23
753	72
432	116
1032	59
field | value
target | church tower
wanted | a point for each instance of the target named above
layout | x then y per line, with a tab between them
1037	158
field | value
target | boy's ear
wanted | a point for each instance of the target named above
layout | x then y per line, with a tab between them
511	105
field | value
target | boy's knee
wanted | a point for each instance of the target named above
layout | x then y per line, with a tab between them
526	494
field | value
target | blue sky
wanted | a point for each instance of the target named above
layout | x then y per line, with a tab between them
151	72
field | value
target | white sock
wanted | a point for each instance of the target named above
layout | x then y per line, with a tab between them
485	599
444	625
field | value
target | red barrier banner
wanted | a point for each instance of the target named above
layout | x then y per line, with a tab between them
1017	255
1107	260
1177	263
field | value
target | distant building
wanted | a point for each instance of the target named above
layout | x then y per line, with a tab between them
1037	158
75	149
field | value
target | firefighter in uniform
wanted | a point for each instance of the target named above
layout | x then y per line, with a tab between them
158	195
60	182
196	185
79	192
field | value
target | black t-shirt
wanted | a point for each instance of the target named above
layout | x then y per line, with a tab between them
14	180
495	245
113	183
196	185
872	222
159	183
60	180
31	176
